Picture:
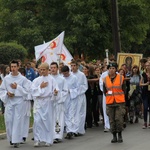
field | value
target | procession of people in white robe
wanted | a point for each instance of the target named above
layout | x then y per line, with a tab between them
51	111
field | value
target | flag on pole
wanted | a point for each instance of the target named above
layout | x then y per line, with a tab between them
49	51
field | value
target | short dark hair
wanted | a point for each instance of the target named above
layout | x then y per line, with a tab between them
54	63
143	60
78	60
22	71
65	69
61	63
74	62
123	65
28	63
87	67
14	62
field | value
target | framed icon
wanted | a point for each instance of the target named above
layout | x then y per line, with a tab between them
130	59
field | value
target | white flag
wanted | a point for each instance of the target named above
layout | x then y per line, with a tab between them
49	51
65	56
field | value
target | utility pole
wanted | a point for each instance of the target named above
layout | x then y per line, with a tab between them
115	27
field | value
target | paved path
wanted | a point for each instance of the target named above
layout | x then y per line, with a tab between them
135	138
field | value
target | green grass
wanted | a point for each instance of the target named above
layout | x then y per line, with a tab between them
2	124
31	119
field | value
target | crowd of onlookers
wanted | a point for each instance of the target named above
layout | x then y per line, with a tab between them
136	89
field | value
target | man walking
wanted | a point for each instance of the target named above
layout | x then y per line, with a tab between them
44	91
12	92
70	103
81	104
59	117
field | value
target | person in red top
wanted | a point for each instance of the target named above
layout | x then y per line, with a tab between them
115	101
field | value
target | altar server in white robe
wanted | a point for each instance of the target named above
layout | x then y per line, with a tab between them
59	105
12	92
26	111
81	104
44	90
106	119
70	103
26	115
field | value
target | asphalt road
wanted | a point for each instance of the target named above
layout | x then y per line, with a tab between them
135	138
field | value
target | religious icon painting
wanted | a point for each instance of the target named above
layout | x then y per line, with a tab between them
130	59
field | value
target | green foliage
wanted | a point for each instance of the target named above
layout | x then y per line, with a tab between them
10	51
2	124
90	25
87	24
134	22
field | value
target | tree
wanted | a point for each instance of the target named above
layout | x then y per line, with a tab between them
18	23
30	22
90	26
87	24
134	22
10	51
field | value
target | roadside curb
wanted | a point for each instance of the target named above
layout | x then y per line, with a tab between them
3	135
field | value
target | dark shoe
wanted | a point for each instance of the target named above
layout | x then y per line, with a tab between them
124	125
79	134
68	136
32	139
96	124
131	120
24	139
114	140
120	140
136	120
11	143
58	140
16	145
55	141
75	134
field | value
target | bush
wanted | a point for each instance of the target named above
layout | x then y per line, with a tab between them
10	51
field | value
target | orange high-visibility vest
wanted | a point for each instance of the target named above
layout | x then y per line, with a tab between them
114	90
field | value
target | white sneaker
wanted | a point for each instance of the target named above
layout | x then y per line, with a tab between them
36	144
47	144
106	130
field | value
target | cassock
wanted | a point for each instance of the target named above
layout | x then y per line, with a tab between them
43	108
81	103
59	107
71	104
26	112
14	105
106	119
